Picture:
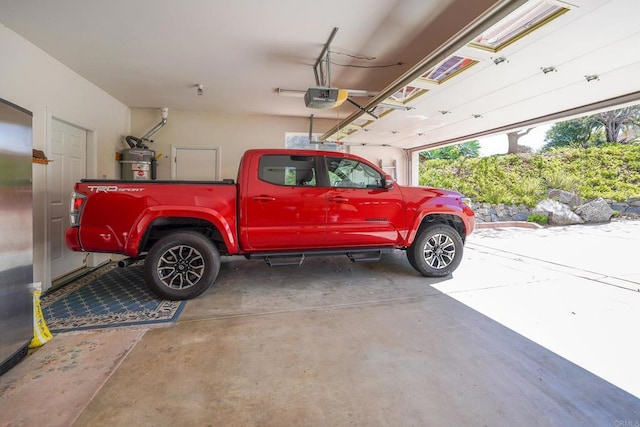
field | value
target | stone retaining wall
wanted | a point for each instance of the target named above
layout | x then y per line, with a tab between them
629	208
486	212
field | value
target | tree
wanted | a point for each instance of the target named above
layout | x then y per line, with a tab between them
469	149
513	140
573	133
452	152
618	123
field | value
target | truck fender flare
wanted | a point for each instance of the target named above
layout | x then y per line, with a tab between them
413	231
146	217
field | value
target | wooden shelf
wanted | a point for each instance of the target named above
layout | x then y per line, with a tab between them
39	157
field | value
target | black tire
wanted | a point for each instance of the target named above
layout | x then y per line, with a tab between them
411	257
437	251
181	265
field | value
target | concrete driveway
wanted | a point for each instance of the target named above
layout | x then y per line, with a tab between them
574	290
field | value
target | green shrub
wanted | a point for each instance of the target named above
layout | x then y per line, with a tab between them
530	190
538	219
607	171
561	180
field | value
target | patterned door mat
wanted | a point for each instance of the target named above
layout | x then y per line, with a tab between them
107	298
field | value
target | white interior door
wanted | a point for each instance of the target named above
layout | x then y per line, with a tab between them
69	155
195	163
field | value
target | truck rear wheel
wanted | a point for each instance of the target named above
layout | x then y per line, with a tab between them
437	251
181	265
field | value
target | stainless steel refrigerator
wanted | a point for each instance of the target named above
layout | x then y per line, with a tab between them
16	234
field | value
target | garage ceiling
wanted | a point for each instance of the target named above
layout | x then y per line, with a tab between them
153	53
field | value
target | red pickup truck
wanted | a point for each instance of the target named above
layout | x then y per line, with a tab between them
286	204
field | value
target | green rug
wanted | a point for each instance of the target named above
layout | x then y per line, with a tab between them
107	298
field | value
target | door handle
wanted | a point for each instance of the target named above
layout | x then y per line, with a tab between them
338	199
264	199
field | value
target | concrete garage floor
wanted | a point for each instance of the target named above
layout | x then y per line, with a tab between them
537	327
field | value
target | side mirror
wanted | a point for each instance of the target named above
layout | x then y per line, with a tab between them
388	182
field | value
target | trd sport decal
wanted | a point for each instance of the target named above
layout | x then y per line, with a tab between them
110	188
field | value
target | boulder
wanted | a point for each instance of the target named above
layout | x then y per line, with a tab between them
597	210
565	197
558	213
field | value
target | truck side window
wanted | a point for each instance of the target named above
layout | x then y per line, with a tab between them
350	173
288	170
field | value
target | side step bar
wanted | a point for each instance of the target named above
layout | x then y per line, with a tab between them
278	259
365	256
281	261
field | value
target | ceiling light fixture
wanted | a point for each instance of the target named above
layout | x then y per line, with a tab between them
592	77
548	70
200	89
499	60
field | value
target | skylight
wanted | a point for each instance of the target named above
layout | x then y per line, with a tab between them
448	68
407	94
518	24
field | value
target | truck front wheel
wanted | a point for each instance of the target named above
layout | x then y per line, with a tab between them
181	265
437	251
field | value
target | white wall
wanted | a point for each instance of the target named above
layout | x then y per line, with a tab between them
232	133
37	82
387	155
236	133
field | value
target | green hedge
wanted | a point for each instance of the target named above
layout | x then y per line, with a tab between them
609	171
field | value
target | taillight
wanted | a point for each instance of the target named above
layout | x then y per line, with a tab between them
77	200
77	203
